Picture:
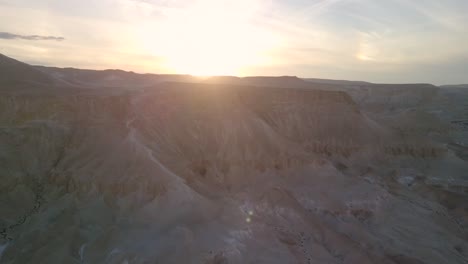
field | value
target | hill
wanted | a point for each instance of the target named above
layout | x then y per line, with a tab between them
14	73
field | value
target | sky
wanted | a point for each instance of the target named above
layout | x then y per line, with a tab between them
386	41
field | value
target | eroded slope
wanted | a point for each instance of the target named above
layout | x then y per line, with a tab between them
196	173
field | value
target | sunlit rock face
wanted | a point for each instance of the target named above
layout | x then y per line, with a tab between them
231	173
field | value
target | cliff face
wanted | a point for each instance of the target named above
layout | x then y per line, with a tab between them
198	130
221	173
380	98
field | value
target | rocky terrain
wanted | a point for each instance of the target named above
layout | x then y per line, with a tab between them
119	167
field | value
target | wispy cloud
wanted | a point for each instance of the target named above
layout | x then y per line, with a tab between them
7	35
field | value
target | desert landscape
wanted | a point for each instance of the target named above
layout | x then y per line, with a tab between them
119	167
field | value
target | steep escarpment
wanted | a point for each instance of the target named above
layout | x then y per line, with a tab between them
385	97
200	130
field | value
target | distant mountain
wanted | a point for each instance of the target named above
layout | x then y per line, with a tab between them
267	81
338	82
16	72
111	78
13	72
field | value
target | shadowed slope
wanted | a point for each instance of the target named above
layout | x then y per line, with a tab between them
14	73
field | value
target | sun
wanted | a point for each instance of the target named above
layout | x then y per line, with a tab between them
212	37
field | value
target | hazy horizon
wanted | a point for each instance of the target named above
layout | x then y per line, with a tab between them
340	148
394	41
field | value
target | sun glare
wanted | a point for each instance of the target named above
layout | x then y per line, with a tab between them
212	37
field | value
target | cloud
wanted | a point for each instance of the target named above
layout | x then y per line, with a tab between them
7	35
